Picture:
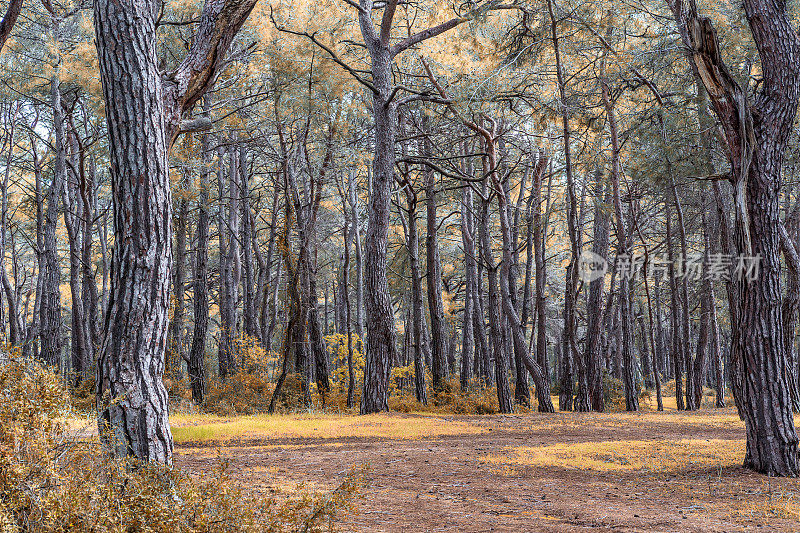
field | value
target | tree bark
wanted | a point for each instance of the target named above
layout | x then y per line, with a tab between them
434	275
756	133
144	115
624	248
195	364
50	333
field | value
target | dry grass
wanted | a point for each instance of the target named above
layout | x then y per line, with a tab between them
210	428
627	455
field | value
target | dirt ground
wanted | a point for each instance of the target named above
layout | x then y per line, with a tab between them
531	472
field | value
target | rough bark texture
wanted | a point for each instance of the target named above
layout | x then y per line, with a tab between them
756	132
49	270
380	345
143	120
131	397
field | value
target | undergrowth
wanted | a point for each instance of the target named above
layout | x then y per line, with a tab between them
51	481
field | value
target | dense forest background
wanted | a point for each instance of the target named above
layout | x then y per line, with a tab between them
391	200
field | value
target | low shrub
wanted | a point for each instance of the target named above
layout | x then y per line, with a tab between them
475	400
52	482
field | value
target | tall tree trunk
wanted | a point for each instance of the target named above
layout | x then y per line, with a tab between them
50	307
623	249
595	311
249	317
179	277
569	350
470	273
74	215
541	273
495	333
380	345
228	289
195	364
434	277
417	313
757	132
131	397
675	314
686	343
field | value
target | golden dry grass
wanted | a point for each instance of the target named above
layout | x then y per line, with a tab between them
210	428
627	455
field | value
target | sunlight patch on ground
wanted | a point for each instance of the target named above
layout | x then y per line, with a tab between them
191	428
627	455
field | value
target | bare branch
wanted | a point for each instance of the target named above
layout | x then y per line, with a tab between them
330	52
386	21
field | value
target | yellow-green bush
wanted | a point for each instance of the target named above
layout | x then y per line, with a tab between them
50	482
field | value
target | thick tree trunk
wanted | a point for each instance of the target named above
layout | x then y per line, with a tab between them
380	345
131	397
757	133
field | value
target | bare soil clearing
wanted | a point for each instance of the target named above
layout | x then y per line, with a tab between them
563	472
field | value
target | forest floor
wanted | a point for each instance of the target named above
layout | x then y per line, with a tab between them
646	471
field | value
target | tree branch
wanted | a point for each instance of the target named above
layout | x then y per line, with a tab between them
330	52
220	21
9	19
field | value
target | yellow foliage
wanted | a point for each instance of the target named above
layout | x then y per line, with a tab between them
51	482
